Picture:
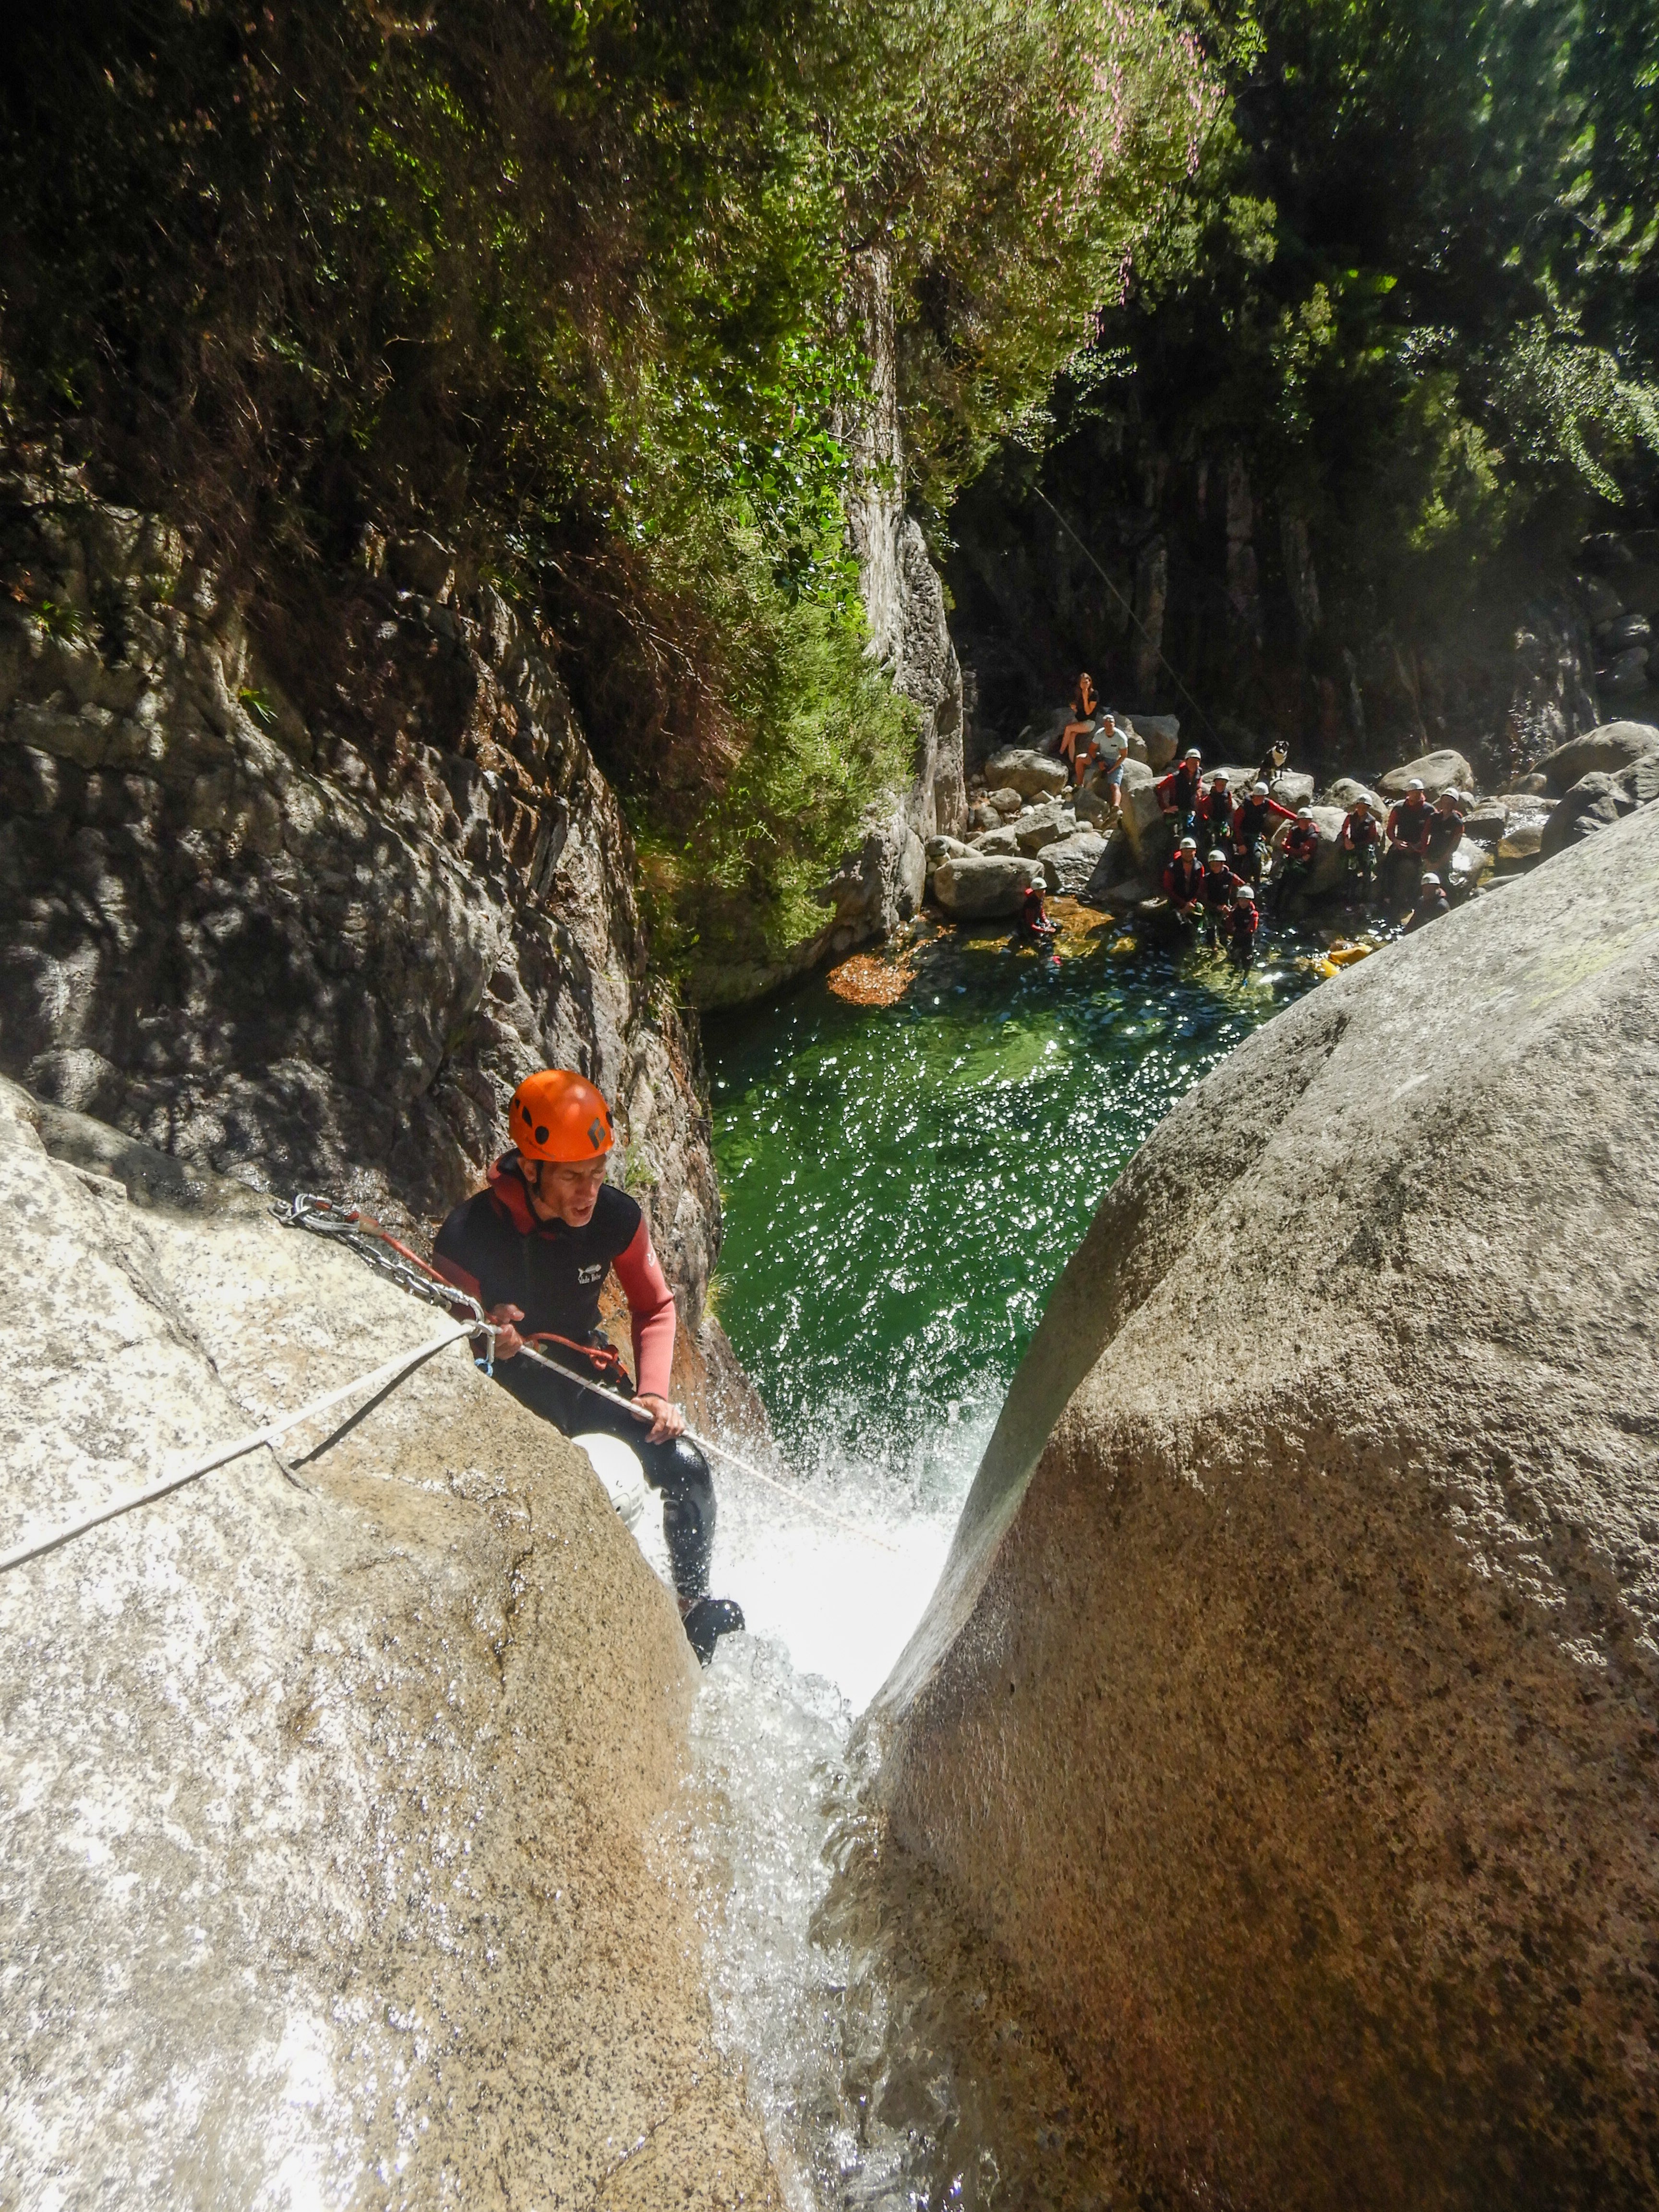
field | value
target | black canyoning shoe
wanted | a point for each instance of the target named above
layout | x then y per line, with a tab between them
710	1618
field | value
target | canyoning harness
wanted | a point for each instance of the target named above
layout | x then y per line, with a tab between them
606	1377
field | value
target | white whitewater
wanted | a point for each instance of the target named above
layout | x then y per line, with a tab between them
888	2065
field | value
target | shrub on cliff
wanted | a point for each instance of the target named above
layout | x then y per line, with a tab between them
569	284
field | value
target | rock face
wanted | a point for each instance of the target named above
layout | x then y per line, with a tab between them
904	600
1032	774
319	946
330	1783
1437	772
1289	1709
1607	750
982	885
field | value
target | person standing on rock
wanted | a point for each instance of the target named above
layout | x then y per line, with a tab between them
1252	826
1179	792
534	1248
1217	890
1407	832
1296	856
1215	808
1361	835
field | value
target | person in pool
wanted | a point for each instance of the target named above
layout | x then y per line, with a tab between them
534	1248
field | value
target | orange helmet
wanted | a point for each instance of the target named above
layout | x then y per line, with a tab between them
558	1115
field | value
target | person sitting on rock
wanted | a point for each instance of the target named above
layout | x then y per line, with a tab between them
1296	856
1216	891
1215	808
1361	835
1407	832
1183	883
1252	827
1242	923
1082	724
1431	903
1112	782
1179	792
534	1248
1035	920
1445	832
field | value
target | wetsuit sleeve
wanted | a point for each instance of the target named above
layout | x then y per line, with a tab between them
449	1253
651	1312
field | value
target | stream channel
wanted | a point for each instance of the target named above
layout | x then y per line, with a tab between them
902	1185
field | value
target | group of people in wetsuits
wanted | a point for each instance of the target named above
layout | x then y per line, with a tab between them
1225	869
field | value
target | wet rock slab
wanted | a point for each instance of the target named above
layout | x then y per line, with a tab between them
330	1782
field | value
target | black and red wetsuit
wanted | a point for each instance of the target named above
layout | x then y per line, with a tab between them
1445	835
1253	825
1183	880
494	1247
1215	812
1241	926
1360	830
1408	828
1301	842
1178	794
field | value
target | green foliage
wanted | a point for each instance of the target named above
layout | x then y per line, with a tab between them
579	285
1413	281
828	734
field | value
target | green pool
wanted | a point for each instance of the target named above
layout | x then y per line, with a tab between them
903	1184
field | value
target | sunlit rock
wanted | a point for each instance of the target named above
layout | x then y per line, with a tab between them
1287	1712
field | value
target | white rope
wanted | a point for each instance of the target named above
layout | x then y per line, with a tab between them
706	1444
379	1379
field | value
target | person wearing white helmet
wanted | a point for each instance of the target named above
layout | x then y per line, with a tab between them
1215	808
1243	924
1254	822
1219	885
1183	883
1178	793
1445	832
1432	902
1297	856
1361	836
1407	831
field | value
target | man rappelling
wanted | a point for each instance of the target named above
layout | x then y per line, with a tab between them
534	1249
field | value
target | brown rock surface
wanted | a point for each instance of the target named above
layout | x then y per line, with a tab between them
1289	1709
329	1874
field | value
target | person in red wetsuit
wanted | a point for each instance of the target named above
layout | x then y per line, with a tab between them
1215	808
1219	882
1242	923
1296	856
1183	883
1252	826
534	1248
1178	793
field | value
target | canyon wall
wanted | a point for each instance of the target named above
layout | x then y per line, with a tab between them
307	910
1288	1711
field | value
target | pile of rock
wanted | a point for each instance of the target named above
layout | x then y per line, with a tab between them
1623	602
1025	828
